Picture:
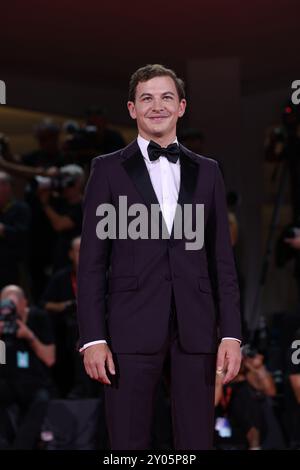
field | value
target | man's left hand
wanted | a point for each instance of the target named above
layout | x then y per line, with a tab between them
229	359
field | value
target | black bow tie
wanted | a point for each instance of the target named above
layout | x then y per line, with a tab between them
155	151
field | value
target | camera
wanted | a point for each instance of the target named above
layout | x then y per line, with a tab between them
56	183
80	139
8	315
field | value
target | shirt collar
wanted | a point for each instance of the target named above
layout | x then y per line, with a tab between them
143	144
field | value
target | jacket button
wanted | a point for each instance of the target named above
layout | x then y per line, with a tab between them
168	278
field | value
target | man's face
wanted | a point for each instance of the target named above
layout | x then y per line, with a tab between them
157	108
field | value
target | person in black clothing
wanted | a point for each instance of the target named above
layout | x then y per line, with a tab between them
60	293
241	402
59	300
25	380
14	228
41	245
47	158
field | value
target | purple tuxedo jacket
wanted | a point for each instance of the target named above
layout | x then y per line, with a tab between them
125	285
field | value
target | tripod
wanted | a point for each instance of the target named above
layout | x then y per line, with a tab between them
256	314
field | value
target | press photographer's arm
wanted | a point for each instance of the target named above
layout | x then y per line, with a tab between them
59	222
45	352
11	163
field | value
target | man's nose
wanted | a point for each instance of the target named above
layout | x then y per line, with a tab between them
158	105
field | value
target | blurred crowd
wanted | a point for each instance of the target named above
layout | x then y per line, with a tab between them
39	252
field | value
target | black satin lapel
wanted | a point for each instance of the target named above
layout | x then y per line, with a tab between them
137	171
188	179
188	182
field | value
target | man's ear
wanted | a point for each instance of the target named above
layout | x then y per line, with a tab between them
182	107
131	109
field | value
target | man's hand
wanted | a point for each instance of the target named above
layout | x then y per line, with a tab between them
95	358
23	332
254	363
229	359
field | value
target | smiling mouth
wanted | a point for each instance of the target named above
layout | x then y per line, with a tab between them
157	118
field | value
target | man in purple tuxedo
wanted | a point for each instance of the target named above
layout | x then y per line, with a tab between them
143	298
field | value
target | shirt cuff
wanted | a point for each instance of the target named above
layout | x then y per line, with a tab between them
91	344
229	337
99	341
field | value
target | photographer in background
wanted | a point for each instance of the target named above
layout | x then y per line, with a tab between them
14	230
59	300
95	137
62	207
57	217
241	401
25	383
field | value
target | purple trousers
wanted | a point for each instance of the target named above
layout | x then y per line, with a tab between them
130	400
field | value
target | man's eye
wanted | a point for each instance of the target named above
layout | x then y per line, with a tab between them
168	97
147	98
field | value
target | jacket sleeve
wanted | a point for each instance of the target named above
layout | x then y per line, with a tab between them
93	260
223	264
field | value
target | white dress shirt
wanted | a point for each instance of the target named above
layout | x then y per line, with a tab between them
165	179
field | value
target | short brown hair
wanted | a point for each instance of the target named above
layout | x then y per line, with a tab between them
149	71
